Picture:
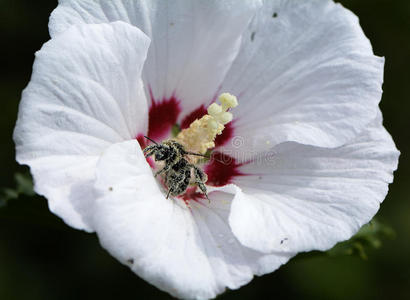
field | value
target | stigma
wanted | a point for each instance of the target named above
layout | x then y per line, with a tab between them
200	135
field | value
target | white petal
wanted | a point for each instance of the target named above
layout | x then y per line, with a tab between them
85	94
193	42
190	253
305	73
302	198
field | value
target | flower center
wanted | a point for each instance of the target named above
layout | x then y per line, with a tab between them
177	158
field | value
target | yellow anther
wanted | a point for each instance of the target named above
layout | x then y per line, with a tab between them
201	134
213	124
228	101
225	118
214	109
219	113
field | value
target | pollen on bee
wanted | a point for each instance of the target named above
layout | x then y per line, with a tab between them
200	135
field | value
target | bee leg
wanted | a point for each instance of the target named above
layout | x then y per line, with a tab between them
164	169
200	179
150	150
159	172
169	191
202	187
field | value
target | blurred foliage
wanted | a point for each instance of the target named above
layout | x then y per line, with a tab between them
370	235
24	186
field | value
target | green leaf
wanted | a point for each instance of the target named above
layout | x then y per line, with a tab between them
24	186
370	236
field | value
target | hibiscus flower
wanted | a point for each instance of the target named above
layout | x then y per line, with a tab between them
303	165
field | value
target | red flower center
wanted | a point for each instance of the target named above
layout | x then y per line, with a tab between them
163	115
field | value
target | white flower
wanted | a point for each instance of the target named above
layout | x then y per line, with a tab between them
310	161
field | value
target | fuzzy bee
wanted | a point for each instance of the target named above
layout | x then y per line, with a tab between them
177	169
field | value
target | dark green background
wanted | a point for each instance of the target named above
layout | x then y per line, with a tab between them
41	258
